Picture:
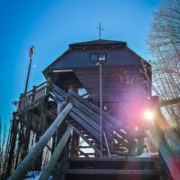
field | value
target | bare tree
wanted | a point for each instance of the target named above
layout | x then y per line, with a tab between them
163	42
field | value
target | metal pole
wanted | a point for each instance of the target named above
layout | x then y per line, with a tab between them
101	129
27	79
106	144
29	68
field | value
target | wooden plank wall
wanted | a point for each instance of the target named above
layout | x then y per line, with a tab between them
118	82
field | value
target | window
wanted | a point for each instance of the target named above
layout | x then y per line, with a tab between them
101	57
98	57
94	57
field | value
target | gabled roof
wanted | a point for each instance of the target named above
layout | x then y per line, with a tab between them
78	55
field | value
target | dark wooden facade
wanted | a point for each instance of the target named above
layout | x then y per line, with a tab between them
123	76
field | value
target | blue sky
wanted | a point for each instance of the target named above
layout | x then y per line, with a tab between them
50	25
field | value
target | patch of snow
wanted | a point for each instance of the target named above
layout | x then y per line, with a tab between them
34	175
149	155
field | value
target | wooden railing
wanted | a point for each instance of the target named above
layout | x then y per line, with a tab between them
33	96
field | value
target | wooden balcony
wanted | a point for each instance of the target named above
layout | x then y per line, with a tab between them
33	97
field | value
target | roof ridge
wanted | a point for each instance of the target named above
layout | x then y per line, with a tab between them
98	42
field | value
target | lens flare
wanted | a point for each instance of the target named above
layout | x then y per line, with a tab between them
149	115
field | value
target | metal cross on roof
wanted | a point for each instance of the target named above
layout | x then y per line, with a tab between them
100	29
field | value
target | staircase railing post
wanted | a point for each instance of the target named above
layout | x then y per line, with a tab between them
60	107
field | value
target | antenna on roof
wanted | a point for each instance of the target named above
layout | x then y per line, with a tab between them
100	29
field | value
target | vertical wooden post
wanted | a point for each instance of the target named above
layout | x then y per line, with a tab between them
43	114
139	146
13	138
60	129
34	90
38	163
27	135
74	144
53	143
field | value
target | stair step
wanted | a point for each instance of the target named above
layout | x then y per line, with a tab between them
89	137
115	163
112	168
111	172
120	149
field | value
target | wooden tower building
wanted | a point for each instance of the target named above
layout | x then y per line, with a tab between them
96	91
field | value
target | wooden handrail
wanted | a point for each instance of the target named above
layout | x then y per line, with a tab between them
26	164
52	162
169	102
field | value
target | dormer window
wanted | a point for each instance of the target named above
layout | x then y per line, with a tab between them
98	57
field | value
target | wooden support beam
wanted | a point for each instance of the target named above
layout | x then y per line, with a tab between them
140	144
26	135
50	165
74	145
26	164
43	115
84	147
49	148
13	137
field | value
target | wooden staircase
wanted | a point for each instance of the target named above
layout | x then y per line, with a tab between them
119	161
116	163
84	117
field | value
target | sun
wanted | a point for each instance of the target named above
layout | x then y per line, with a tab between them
148	115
